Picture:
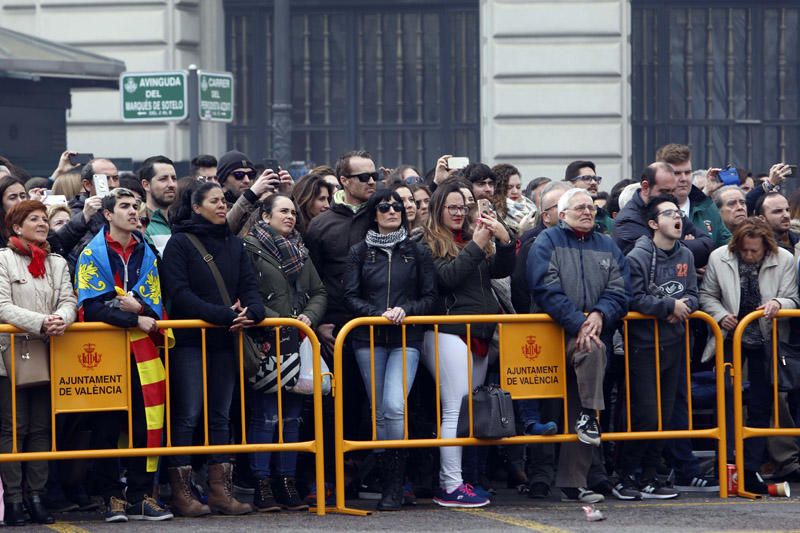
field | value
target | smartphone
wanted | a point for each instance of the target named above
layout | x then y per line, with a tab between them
271	164
54	199
80	159
100	184
457	162
485	206
793	171
729	176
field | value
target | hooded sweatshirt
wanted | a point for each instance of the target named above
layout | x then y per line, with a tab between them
673	278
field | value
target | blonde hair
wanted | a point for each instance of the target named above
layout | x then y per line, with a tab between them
69	185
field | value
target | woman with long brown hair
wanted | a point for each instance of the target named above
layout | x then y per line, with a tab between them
466	257
313	195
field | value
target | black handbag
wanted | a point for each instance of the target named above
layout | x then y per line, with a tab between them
788	366
492	414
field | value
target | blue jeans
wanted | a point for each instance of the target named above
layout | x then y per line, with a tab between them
186	374
262	429
389	394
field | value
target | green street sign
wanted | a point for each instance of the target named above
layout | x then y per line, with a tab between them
153	96
215	98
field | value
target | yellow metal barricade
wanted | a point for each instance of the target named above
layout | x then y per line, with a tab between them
742	432
343	446
90	357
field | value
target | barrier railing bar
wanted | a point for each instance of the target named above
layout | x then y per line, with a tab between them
405	383
205	386
627	377
658	374
279	392
469	379
13	375
775	383
167	414
374	402
688	355
128	361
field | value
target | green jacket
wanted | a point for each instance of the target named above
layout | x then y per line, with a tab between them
604	222
705	216
158	231
282	299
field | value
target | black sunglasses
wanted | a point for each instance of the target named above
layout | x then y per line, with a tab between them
364	177
384	208
240	174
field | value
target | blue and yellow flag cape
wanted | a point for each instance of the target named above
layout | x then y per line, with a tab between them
94	278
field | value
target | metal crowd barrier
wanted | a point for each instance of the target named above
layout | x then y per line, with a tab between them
314	446
343	446
742	432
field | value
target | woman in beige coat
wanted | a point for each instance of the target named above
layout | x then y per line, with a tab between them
752	273
36	296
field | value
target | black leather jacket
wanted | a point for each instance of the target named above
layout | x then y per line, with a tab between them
376	281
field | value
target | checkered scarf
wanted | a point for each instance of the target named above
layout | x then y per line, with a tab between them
290	252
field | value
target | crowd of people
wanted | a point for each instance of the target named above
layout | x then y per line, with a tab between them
232	243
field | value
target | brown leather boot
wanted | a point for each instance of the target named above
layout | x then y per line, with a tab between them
220	491
183	501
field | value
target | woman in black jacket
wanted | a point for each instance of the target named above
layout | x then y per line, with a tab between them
466	257
193	293
391	276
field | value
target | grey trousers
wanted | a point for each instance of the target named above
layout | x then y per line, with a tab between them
585	371
33	435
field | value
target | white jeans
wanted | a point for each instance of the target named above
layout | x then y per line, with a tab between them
453	385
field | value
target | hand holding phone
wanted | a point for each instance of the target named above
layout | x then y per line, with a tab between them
100	182
76	159
454	163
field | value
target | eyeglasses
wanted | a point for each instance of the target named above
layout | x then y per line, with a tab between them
240	174
364	177
672	213
597	179
396	206
207	178
456	210
734	203
413	180
549	208
584	207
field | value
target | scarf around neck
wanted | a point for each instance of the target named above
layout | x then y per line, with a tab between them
289	252
386	241
37	253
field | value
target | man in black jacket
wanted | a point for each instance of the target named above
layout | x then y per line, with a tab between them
331	234
631	223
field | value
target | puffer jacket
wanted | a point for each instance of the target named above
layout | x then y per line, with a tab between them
282	298
571	274
26	301
465	285
376	281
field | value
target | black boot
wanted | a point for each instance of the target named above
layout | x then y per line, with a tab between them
15	514
263	499
38	511
285	491
393	466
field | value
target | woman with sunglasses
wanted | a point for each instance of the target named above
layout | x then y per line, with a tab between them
466	257
391	276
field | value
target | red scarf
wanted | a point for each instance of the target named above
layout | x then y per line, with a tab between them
37	253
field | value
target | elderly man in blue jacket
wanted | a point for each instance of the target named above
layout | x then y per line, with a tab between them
580	278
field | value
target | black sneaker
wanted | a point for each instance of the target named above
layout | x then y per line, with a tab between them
753	482
655	490
538	490
626	489
587	429
147	509
697	484
604	487
115	511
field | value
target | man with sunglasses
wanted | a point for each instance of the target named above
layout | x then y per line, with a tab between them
331	234
583	175
243	187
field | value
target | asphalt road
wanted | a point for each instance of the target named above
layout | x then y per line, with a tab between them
509	512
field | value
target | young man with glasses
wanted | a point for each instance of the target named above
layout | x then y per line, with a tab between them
580	278
583	175
665	286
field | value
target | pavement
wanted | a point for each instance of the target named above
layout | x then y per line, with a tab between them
508	512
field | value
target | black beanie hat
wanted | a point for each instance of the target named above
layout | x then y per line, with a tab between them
230	161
